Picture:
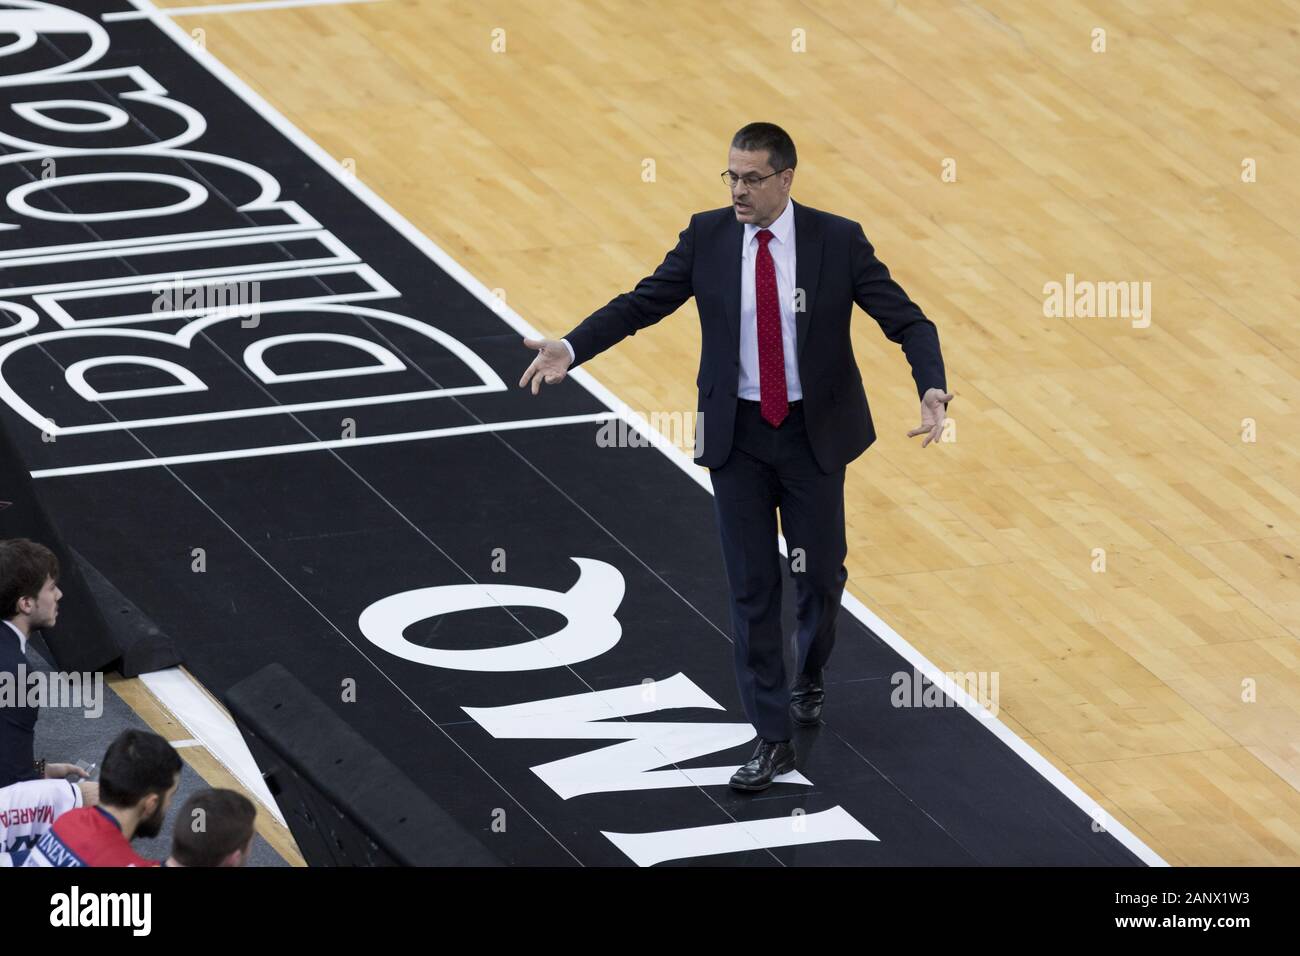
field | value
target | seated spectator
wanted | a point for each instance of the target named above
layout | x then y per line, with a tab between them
29	809
139	778
29	600
213	828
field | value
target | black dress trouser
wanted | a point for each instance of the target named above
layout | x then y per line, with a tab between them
771	469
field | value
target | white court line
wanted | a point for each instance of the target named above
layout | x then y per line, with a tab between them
222	8
422	242
211	726
268	450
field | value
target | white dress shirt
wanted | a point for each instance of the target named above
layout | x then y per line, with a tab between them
781	246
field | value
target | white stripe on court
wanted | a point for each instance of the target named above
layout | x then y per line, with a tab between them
676	455
267	450
222	8
180	693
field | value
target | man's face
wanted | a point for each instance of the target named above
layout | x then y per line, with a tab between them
761	203
44	610
150	826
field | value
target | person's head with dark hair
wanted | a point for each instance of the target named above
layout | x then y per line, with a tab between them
139	777
213	828
29	584
760	169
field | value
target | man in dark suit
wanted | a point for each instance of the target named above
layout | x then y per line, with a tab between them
781	405
29	596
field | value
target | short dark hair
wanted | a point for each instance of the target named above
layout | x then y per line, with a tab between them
768	136
137	764
25	566
227	826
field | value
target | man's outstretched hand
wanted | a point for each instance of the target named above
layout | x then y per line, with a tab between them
551	365
933	412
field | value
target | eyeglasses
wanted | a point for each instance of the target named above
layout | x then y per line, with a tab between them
730	179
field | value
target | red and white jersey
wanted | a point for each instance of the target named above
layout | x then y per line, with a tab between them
90	836
27	810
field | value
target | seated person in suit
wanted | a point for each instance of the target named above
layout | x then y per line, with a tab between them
29	599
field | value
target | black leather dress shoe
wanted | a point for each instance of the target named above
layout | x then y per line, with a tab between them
806	699
770	760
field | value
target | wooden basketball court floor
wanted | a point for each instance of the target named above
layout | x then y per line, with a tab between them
1113	522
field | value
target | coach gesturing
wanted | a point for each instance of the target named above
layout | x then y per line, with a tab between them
782	408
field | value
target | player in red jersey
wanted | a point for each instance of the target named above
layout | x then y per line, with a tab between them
140	775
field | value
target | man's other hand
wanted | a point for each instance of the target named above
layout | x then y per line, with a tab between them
61	771
551	365
933	412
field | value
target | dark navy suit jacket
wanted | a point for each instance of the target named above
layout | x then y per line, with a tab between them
17	724
835	266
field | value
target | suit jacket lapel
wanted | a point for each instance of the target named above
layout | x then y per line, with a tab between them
807	267
733	245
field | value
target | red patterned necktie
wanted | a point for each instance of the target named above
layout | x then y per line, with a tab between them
771	355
